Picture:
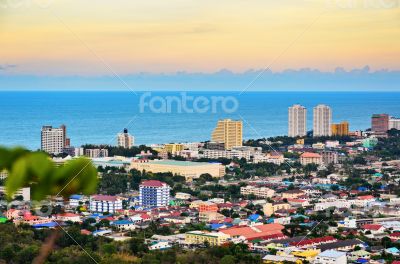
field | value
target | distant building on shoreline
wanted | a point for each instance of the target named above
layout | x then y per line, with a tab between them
125	140
322	116
297	123
54	140
229	132
96	153
380	123
341	129
394	123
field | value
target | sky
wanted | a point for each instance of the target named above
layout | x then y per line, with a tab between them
84	43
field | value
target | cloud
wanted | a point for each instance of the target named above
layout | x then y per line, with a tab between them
5	67
306	79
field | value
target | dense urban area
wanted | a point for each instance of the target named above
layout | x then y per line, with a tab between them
323	195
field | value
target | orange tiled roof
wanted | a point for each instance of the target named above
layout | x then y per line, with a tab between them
255	231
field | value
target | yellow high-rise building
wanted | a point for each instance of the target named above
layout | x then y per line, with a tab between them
341	129
229	132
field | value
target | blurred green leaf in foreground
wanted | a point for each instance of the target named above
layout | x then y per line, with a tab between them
38	171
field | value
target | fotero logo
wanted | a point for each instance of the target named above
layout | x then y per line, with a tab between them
187	104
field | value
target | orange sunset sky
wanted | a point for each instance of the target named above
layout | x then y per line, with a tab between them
75	37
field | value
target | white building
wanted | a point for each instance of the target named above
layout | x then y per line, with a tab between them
76	199
332	144
262	192
125	140
331	257
337	204
272	157
96	153
182	196
348	222
297	124
24	192
154	193
105	203
322	121
394	123
236	152
54	140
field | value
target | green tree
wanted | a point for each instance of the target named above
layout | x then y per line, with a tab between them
228	259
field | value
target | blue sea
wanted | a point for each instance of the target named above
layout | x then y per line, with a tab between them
96	117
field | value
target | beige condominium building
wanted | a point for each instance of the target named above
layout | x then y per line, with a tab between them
322	121
297	123
54	140
125	140
229	132
190	170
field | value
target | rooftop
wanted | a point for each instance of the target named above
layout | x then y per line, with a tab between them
310	155
332	254
153	183
180	163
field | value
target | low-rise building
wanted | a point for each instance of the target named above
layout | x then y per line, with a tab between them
310	157
270	208
331	257
182	196
207	207
262	192
340	203
190	170
96	153
293	194
105	203
200	237
210	216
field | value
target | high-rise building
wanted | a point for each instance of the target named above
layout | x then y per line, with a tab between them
297	121
394	123
125	140
154	193
229	132
322	116
54	140
380	123
341	129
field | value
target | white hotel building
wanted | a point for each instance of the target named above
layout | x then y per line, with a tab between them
154	193
322	121
297	121
105	203
53	140
394	123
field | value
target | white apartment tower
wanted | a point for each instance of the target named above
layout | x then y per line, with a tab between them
54	140
154	193
394	123
322	121
125	140
297	121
